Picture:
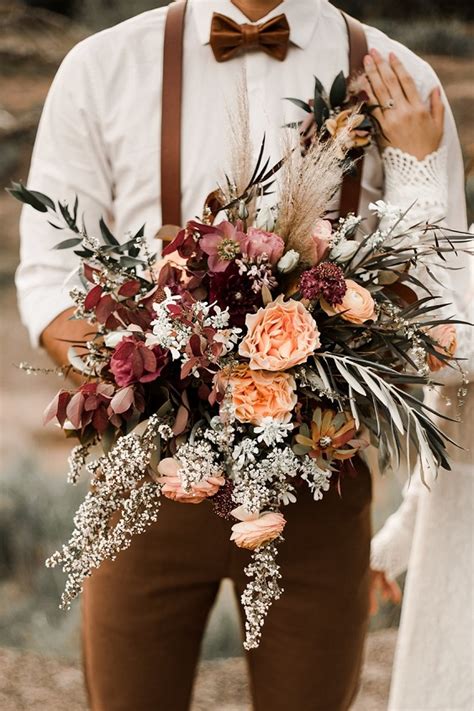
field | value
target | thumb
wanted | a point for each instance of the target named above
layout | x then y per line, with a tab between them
437	107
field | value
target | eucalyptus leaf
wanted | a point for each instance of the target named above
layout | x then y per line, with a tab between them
107	234
69	243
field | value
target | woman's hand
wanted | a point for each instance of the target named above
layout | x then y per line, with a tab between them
405	121
388	589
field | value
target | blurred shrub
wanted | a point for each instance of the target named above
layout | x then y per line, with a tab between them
442	37
462	9
35	518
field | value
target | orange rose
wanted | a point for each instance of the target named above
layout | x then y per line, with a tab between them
280	336
174	260
259	394
258	530
172	489
345	127
445	337
357	305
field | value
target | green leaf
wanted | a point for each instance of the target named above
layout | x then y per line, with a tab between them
44	199
338	92
68	243
25	196
321	111
68	218
318	87
301	104
107	234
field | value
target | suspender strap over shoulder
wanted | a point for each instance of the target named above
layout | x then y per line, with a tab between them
351	186
171	114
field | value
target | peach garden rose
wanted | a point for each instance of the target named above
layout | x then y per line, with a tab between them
257	530
357	306
279	336
445	336
257	394
168	469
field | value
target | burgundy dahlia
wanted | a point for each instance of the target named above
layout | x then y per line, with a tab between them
326	280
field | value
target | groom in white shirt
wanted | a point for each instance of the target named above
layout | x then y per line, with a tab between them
99	138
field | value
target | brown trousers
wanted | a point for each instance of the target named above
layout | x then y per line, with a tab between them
144	614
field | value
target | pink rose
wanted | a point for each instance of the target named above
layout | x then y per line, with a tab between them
134	362
259	242
357	306
258	530
445	336
257	394
279	336
172	488
321	240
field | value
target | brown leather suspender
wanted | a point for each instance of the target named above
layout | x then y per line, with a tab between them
171	114
351	185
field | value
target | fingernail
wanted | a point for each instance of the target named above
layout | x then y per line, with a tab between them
393	57
374	53
368	61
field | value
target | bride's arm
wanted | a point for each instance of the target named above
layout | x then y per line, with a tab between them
410	140
416	177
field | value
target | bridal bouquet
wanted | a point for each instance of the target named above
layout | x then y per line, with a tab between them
261	352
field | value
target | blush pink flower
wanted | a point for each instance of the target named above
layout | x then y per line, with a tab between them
172	488
279	336
320	240
258	394
257	530
357	305
222	245
259	242
445	337
134	362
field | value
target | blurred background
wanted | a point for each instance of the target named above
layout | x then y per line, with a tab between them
39	645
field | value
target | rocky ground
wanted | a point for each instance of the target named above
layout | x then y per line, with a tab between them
29	682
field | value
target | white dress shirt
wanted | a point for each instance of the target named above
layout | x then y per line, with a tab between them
99	135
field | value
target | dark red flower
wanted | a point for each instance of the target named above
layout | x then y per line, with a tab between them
223	502
134	362
326	280
233	290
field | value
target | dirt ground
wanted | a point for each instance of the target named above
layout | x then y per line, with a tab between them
29	682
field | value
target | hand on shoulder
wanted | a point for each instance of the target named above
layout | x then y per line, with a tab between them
405	120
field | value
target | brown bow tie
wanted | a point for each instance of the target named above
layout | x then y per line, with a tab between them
229	39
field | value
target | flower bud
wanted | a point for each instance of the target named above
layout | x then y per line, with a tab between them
344	251
289	261
265	219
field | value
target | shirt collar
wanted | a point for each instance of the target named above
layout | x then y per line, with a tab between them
302	16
